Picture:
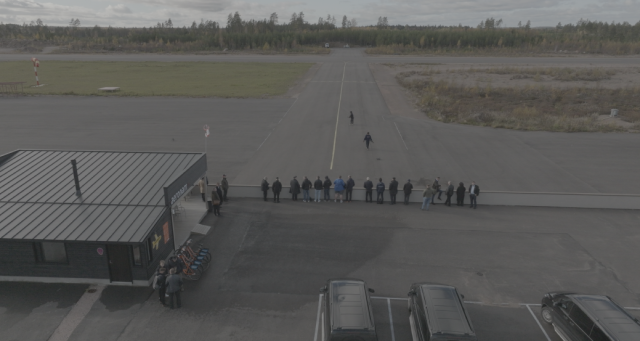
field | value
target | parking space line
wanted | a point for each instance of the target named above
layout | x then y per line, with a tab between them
315	336
393	334
538	322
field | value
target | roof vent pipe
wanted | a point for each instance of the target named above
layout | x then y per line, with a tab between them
75	177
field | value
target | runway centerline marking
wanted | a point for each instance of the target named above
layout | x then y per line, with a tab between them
315	336
538	322
405	145
335	136
393	334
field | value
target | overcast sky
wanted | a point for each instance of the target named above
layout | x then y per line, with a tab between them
421	12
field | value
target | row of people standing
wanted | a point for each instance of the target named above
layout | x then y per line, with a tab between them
343	190
218	195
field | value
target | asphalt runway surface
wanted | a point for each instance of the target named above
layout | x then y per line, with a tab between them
310	135
269	260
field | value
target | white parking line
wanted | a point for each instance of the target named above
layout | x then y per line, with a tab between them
393	334
315	336
538	322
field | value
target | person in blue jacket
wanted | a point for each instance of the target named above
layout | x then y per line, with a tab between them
368	139
380	189
338	187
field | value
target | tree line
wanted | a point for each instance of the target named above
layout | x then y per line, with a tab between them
297	32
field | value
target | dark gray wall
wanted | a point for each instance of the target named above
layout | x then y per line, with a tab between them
185	181
17	259
163	250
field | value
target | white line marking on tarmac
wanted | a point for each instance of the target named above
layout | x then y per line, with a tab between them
335	136
405	145
632	308
283	116
322	326
389	298
393	334
315	336
538	322
76	314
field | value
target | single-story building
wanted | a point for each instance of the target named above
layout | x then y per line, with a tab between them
91	216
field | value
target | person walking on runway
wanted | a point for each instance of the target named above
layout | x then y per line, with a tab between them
349	187
407	191
338	187
326	185
317	185
436	190
351	116
450	191
380	189
474	193
265	188
367	139
294	189
393	190
276	187
368	186
306	185
460	194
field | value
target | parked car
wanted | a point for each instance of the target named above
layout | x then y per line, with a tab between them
326	45
347	308
577	317
436	312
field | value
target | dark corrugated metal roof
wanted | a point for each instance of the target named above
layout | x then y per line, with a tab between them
122	194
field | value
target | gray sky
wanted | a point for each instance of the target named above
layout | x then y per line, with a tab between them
421	12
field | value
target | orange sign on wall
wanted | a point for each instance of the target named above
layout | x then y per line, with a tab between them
165	228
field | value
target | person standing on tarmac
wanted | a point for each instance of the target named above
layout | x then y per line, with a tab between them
225	187
317	185
350	185
449	193
351	116
338	187
294	189
393	190
327	188
306	185
368	186
380	189
265	188
367	139
276	187
407	191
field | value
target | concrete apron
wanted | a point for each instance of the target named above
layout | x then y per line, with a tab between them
565	200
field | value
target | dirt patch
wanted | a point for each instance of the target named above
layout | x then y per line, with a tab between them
547	98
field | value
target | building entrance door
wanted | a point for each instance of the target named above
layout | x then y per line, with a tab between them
119	263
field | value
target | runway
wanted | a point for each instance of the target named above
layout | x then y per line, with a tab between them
310	135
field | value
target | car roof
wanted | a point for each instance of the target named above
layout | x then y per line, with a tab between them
611	317
350	305
444	309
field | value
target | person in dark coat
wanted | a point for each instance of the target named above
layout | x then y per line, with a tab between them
393	190
367	139
174	285
225	187
219	190
317	185
474	192
160	284
265	188
450	190
407	191
276	187
436	190
460	194
306	185
216	200
368	186
327	188
349	188
351	116
294	189
175	263
380	190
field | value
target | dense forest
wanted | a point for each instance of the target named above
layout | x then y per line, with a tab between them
299	34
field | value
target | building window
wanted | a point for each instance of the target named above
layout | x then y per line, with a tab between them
51	252
137	256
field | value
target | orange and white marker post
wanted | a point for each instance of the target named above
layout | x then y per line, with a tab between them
36	64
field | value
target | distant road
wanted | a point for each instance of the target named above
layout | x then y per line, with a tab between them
337	55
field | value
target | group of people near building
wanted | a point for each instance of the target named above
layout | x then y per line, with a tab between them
343	191
168	281
218	195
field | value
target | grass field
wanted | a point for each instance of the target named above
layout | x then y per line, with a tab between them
193	79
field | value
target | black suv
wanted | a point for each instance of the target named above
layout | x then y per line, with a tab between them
577	317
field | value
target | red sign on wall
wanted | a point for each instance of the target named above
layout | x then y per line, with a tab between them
165	229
